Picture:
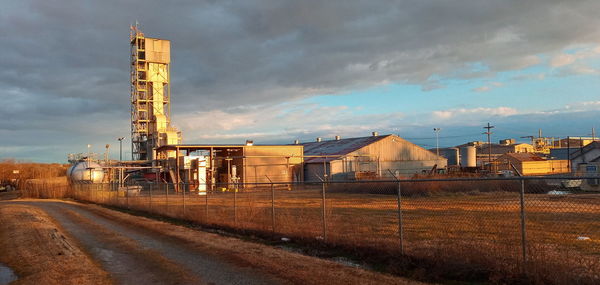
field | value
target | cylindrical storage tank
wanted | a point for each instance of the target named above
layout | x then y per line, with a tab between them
468	156
452	154
85	172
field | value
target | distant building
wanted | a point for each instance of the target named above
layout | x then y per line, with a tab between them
590	169
497	150
366	158
573	142
578	155
530	164
583	155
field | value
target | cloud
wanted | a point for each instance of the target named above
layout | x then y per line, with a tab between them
562	60
65	63
576	63
488	87
482	89
464	113
278	122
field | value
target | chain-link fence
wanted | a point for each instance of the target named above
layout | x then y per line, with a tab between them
546	229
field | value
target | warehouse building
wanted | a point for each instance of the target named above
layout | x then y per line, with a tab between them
367	158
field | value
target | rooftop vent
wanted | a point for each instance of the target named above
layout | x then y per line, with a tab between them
249	142
375	134
337	138
318	139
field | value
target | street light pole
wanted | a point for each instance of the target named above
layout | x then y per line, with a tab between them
437	140
120	148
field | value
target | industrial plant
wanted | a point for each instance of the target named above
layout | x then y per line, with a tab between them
159	154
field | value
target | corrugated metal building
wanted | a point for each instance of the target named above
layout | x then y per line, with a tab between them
366	158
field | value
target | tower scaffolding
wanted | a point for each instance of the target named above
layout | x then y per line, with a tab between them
150	95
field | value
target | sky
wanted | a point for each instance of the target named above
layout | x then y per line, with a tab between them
274	71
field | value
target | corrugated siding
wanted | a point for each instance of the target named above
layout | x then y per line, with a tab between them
393	153
545	167
278	169
394	148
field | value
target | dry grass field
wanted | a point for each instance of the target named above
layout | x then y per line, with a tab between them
28	234
480	231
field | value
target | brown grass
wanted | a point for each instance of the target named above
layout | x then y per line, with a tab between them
29	170
473	235
39	252
47	188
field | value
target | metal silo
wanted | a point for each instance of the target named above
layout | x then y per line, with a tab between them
452	154
468	156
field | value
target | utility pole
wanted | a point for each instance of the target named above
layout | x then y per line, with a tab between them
120	148
489	133
89	146
569	152
106	153
437	140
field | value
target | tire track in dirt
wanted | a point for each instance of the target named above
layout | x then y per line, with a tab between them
136	257
138	250
40	251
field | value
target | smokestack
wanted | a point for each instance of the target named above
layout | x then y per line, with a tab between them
375	134
318	139
337	138
296	141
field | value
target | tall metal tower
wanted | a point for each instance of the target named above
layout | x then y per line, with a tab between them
150	95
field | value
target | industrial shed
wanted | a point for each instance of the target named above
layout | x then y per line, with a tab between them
231	163
530	164
366	158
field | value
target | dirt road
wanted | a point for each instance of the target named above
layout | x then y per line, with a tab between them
125	249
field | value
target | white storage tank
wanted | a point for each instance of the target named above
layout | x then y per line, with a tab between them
85	172
468	156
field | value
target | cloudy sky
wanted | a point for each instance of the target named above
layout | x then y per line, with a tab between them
275	71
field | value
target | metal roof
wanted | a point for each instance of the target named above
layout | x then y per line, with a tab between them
525	156
173	146
578	151
337	148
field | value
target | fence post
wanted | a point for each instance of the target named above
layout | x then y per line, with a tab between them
523	230
323	211
127	196
183	198
151	186
272	205
167	198
273	208
206	207
235	206
400	222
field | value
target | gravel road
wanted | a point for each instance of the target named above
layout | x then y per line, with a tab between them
135	256
137	250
